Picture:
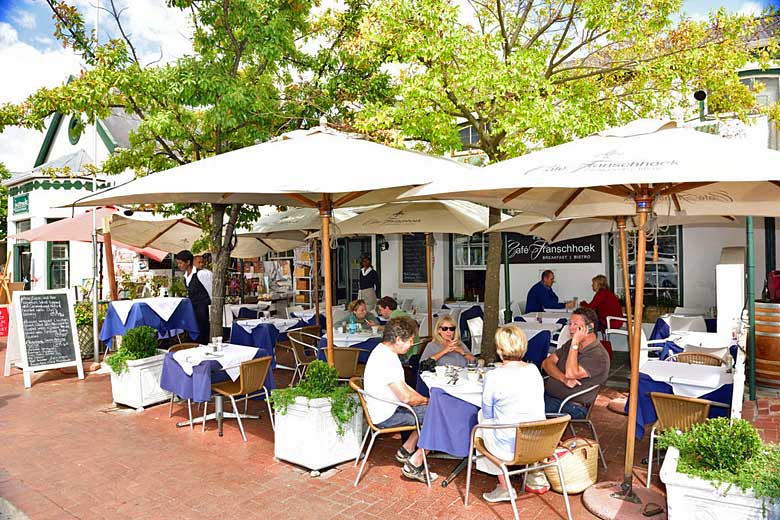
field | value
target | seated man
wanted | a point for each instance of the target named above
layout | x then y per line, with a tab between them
541	296
384	378
580	363
388	309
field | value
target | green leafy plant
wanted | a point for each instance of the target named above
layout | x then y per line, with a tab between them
177	288
320	380
730	453
131	288
137	343
82	312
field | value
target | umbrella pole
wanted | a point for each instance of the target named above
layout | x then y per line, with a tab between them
621	224
429	273
507	299
315	273
751	305
643	206
325	211
112	289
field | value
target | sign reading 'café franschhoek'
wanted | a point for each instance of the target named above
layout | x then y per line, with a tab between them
524	249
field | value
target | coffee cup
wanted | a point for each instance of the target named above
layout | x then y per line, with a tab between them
473	375
441	371
375	329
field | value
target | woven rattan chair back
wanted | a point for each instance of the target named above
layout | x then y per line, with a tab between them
253	374
698	358
679	412
537	440
345	360
308	335
182	346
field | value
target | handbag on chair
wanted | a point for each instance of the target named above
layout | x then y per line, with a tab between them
579	459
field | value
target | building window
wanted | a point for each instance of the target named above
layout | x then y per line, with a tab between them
470	252
663	279
767	87
75	129
59	265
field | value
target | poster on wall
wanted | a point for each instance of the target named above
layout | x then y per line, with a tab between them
524	249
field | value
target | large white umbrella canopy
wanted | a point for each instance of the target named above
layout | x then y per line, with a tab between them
622	172
318	168
174	234
599	175
294	220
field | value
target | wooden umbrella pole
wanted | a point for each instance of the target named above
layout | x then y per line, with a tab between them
429	272
325	211
315	273
621	224
112	288
643	206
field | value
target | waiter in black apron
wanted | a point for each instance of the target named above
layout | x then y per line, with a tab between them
198	285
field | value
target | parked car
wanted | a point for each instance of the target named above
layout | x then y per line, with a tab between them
661	274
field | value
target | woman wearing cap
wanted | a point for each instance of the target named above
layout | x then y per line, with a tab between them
198	285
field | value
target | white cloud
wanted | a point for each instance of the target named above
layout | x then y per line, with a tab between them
24	19
33	69
750	9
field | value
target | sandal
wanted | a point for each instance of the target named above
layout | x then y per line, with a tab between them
413	472
402	455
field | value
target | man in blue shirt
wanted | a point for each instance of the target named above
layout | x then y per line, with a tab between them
541	296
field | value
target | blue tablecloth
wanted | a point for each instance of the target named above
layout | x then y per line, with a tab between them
661	331
367	345
263	336
645	411
448	424
183	318
198	386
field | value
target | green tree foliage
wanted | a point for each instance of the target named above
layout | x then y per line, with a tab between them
529	74
245	82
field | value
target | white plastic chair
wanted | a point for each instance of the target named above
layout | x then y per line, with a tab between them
475	330
290	310
645	345
689	311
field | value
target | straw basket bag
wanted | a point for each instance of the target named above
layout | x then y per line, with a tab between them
579	459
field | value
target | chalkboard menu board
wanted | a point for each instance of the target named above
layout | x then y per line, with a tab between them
413	269
46	324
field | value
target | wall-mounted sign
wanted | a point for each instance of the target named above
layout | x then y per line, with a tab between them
21	204
523	249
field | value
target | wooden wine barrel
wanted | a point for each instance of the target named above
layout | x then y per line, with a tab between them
768	344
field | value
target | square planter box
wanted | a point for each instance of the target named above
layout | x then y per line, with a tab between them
139	385
690	497
306	435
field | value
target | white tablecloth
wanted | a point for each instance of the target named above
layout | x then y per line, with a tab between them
706	342
230	312
687	380
532	328
281	325
469	391
230	358
547	316
164	307
685	323
341	339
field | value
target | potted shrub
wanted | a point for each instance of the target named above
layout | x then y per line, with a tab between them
83	316
318	423
721	469
136	368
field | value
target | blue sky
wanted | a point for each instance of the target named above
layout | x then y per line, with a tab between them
35	59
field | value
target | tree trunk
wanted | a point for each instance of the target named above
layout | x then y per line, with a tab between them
492	285
221	259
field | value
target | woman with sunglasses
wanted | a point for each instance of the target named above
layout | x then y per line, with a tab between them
446	347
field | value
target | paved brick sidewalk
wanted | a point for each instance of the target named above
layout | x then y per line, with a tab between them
67	453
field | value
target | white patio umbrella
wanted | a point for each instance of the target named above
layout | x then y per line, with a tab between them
318	168
437	216
622	172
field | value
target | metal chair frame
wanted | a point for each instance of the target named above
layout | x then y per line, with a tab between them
587	420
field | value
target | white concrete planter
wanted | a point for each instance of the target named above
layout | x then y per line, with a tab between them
306	435
139	385
690	497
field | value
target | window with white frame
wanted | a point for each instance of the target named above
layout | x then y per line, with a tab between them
663	278
470	252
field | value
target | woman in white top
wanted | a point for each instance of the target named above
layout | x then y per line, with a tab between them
513	393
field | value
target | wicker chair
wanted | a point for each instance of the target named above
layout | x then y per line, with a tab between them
357	386
176	348
676	412
586	420
251	383
345	360
303	344
697	358
535	441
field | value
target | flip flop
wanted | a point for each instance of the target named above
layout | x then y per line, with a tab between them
652	509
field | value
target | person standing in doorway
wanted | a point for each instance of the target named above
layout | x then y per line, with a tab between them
198	291
369	283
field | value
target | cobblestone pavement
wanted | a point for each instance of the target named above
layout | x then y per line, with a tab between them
69	453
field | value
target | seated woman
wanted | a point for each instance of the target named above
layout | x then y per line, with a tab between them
512	393
446	347
604	302
359	310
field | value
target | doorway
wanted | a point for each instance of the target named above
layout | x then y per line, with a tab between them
474	285
23	264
